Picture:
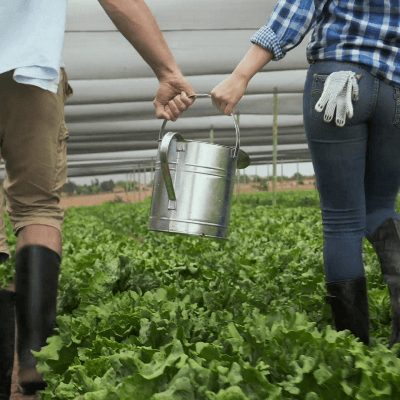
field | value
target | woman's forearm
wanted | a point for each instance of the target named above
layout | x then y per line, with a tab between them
254	61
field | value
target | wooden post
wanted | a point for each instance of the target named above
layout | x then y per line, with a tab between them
133	185
140	189
145	188
238	170
275	144
125	188
238	187
129	185
137	172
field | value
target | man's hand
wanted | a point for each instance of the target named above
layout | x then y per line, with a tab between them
227	94
172	97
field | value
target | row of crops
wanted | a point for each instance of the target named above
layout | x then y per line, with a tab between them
153	316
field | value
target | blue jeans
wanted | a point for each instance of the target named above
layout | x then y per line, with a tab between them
357	167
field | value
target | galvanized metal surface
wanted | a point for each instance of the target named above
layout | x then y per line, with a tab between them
193	186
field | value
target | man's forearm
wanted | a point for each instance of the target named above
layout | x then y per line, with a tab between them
254	61
135	21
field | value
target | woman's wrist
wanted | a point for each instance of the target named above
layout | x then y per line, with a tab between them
254	61
242	75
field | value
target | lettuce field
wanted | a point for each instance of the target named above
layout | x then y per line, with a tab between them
146	315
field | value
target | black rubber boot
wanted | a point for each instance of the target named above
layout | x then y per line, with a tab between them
386	242
349	303
36	284
7	342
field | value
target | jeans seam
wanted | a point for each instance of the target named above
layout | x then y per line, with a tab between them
374	99
338	141
397	111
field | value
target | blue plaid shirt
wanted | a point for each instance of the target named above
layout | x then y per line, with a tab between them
359	31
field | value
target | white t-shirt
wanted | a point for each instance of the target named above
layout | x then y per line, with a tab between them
31	40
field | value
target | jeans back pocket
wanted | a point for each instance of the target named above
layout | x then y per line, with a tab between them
316	93
361	107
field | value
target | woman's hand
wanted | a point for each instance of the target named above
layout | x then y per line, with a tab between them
227	94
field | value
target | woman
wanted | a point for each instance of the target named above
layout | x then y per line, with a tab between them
354	47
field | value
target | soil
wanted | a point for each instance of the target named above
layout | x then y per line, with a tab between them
135	197
146	191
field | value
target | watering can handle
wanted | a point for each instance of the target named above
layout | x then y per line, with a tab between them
164	148
234	121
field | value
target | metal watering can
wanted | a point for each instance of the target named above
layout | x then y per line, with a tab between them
193	184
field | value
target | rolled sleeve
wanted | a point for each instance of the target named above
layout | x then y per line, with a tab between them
267	39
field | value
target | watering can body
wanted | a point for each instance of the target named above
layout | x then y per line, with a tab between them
193	186
203	178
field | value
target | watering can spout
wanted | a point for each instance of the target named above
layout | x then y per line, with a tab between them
243	160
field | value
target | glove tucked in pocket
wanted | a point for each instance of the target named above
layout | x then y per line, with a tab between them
339	90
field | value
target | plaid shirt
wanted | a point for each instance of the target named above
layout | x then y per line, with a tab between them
365	32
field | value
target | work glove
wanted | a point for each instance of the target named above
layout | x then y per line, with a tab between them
339	90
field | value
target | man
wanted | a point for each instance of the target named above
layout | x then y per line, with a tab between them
33	92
